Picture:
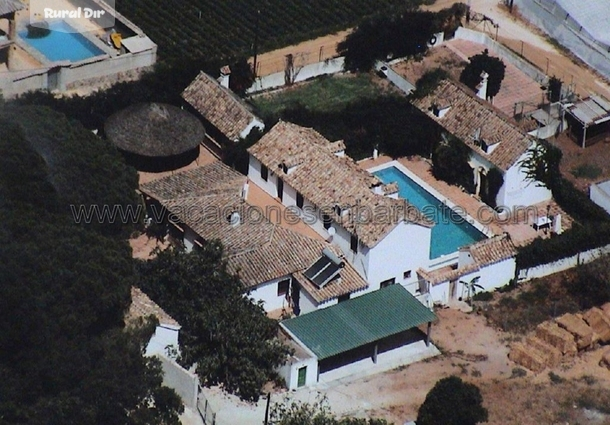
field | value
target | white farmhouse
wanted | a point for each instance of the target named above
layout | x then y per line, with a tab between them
494	140
385	238
278	266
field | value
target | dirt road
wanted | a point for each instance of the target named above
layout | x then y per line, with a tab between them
512	31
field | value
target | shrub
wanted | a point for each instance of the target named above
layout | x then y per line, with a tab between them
452	402
483	296
494	67
429	82
586	171
518	372
556	379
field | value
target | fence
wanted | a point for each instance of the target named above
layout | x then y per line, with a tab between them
563	264
205	410
181	380
297	74
504	52
557	23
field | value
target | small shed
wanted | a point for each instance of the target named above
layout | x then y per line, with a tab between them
588	120
358	329
155	137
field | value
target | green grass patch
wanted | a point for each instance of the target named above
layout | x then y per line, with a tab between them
326	94
586	171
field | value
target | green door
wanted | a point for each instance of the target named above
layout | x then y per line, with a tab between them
302	376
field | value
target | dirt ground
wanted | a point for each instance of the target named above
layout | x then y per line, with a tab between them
478	353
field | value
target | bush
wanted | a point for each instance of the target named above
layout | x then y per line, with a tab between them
494	67
518	372
452	402
556	379
586	171
571	242
483	296
429	82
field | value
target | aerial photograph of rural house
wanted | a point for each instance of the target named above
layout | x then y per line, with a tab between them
304	212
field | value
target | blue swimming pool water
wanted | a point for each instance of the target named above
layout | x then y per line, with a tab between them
61	44
451	230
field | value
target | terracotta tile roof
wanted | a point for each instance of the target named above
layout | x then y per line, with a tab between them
143	306
9	6
257	250
445	274
469	115
327	180
218	105
484	253
492	250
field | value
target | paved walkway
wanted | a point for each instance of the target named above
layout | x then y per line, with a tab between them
518	227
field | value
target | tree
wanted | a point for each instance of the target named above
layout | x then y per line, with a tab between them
242	76
450	163
382	37
228	336
471	74
316	413
452	402
554	93
428	82
493	183
541	165
65	355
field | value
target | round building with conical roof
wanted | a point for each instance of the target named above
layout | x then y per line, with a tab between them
155	137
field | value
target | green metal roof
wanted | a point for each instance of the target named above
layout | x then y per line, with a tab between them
359	321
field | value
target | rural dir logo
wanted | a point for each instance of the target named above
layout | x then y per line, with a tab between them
64	16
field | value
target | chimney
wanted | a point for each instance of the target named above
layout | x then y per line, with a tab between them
244	190
234	219
225	74
482	87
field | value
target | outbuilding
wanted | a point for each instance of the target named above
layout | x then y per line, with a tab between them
155	137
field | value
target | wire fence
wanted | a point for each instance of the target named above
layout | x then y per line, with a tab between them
205	410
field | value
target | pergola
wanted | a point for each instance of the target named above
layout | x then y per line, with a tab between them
589	119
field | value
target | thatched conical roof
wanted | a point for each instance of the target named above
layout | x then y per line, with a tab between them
10	6
154	130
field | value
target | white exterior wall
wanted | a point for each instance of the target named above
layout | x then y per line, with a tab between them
307	304
600	194
267	292
407	247
254	174
164	336
518	190
490	277
254	123
290	372
360	260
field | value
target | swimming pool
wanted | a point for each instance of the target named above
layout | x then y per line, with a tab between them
63	43
451	230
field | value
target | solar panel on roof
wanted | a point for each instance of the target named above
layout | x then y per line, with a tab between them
326	275
317	267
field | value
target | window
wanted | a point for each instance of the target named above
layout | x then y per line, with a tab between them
343	298
407	274
386	283
264	172
284	168
338	210
353	243
282	287
327	221
299	200
302	377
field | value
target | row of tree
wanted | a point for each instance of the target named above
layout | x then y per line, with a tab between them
65	354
